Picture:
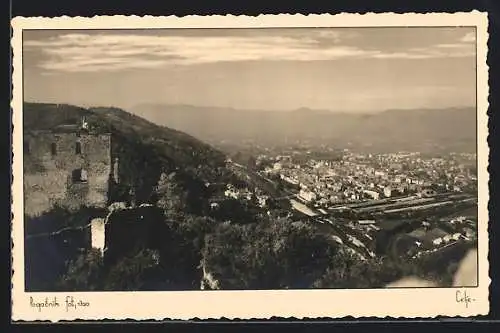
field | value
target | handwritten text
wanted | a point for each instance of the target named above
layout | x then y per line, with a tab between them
461	296
70	303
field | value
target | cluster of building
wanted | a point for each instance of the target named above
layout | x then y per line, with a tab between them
430	237
359	196
232	192
419	238
372	177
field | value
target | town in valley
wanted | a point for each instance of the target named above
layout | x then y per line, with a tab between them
427	203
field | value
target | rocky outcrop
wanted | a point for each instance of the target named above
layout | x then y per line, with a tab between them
208	282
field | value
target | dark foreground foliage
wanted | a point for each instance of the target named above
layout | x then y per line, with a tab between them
277	254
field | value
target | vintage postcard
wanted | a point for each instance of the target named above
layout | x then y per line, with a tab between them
250	167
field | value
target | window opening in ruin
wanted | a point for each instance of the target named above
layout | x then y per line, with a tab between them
79	176
78	148
53	148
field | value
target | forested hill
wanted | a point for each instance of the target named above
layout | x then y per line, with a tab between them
145	149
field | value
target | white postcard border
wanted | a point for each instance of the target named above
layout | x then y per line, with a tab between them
394	303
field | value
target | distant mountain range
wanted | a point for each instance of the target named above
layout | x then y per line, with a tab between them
427	130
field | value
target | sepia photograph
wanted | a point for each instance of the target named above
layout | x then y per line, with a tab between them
276	158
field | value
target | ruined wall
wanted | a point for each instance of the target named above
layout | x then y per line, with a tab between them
97	227
127	230
48	177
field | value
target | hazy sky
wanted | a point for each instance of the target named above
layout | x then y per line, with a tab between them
341	69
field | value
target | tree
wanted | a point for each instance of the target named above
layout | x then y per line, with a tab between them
136	272
273	255
168	194
85	273
179	243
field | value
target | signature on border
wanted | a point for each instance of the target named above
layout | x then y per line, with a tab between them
461	296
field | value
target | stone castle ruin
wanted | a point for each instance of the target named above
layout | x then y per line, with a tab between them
69	166
72	166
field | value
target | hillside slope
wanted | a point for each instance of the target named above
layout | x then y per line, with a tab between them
145	149
428	130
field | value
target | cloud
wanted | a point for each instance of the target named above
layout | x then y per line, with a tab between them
469	38
112	52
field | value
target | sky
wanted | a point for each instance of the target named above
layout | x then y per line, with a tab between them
337	69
